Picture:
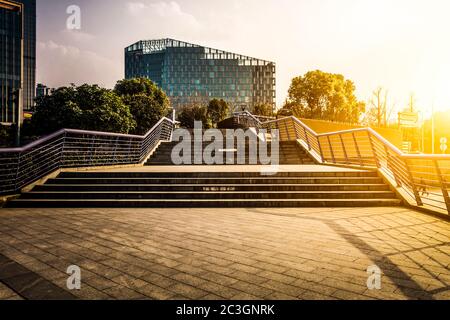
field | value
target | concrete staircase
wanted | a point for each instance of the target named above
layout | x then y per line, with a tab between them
327	188
290	153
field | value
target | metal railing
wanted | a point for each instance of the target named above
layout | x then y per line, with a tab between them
69	148
423	180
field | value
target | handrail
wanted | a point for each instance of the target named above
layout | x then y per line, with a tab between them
70	148
424	180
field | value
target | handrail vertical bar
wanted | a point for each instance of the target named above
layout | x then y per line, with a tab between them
358	152
331	150
307	139
393	169
320	149
443	183
344	149
413	184
374	151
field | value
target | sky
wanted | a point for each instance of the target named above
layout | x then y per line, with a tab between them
401	45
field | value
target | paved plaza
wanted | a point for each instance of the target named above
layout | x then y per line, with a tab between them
320	253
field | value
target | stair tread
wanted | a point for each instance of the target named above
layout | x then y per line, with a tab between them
219	185
208	200
215	192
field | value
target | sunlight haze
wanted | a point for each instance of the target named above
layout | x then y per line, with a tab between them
400	45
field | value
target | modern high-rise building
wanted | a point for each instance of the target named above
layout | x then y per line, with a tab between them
17	58
29	53
191	73
11	60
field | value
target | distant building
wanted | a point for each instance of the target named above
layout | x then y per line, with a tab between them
191	74
17	58
42	90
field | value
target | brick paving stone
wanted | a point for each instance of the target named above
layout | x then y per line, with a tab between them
317	253
188	291
123	293
156	293
252	289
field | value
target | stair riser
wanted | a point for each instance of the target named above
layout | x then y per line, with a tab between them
204	196
219	181
107	188
281	162
198	175
196	204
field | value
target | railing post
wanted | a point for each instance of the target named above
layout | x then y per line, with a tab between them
115	150
443	183
320	149
16	188
413	184
63	149
358	152
307	139
394	171
286	126
331	149
374	151
344	149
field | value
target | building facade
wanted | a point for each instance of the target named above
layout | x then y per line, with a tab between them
42	90
191	74
29	53
11	56
17	58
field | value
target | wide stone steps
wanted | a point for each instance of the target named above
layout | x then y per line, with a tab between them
289	154
311	188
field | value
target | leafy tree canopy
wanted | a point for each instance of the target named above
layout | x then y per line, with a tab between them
265	110
326	96
189	114
147	102
217	111
87	107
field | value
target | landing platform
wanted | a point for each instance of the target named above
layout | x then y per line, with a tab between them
230	168
231	254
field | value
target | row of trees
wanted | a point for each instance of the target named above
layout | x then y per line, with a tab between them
133	106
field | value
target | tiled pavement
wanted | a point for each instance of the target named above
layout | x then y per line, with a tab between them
231	253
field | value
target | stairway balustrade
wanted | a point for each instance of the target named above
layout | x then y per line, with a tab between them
423	180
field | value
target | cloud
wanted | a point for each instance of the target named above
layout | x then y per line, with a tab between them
62	65
134	8
77	35
168	15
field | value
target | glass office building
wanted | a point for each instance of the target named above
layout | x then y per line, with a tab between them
191	74
29	53
11	35
17	58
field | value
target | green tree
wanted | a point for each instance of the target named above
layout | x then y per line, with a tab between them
217	111
87	107
265	110
189	114
326	96
147	102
